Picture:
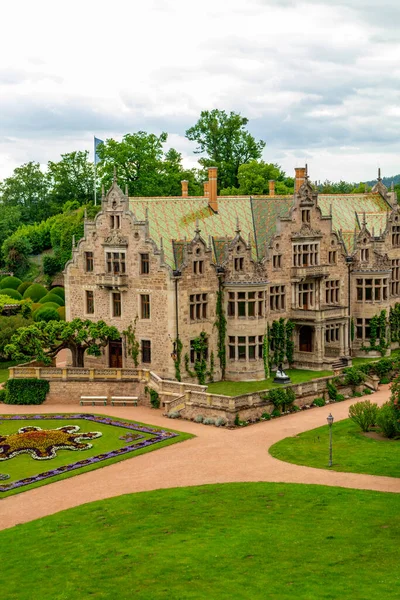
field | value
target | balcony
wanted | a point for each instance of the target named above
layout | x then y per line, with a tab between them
312	272
322	314
112	281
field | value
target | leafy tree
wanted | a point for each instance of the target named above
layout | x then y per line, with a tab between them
226	142
27	189
10	217
16	251
253	178
8	327
72	178
44	340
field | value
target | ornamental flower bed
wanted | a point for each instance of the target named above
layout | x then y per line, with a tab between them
159	435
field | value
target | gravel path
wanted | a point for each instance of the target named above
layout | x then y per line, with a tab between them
215	455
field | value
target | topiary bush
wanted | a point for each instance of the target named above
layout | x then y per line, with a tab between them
11	293
24	286
59	291
61	312
51	305
10	282
35	292
26	391
198	419
365	414
318	402
46	314
52	298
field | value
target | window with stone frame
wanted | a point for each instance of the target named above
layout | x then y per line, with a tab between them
332	333
306	215
306	295
144	263
332	257
89	262
395	282
145	306
115	263
197	354
364	254
116	304
305	255
332	291
277	296
245	347
396	235
238	263
198	267
277	261
372	290
248	304
146	351
115	222
363	329
198	305
89	299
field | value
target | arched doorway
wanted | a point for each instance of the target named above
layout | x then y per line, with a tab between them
306	338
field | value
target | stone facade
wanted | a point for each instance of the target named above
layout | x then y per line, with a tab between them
306	270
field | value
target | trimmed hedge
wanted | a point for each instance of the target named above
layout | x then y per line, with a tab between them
51	305
10	282
59	291
11	293
46	314
26	391
52	298
24	286
35	292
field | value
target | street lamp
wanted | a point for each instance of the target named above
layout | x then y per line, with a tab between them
330	420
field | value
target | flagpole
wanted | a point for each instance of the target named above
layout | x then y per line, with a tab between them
95	173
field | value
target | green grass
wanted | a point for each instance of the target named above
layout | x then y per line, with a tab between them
357	361
4	369
252	541
352	451
24	465
235	388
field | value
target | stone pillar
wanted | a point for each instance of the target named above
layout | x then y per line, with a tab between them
319	336
342	350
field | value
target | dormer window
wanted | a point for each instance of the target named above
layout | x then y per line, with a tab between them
306	215
364	254
239	263
115	222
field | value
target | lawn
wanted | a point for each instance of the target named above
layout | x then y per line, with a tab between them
352	450
113	445
4	369
235	541
363	360
235	388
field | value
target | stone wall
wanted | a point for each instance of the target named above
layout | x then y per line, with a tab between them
70	392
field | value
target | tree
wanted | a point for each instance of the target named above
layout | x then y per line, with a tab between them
27	189
10	217
254	177
226	142
8	327
16	251
44	340
72	178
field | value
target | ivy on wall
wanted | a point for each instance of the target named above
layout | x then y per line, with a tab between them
394	322
378	330
220	324
279	340
177	361
200	346
132	342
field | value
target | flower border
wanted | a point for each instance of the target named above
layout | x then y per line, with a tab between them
159	436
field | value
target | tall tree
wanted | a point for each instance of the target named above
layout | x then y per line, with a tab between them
72	178
226	142
10	217
27	189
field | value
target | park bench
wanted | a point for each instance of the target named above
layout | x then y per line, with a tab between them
124	400
93	400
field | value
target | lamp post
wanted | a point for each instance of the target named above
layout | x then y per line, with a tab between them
330	420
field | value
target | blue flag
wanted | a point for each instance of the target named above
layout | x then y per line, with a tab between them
97	142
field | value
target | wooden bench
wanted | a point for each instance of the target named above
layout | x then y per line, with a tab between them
124	400
93	400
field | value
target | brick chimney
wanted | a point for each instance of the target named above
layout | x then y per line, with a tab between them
212	188
300	178
206	189
271	187
184	185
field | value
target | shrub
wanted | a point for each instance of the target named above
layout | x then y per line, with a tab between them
339	398
282	398
24	286
365	414
2	395
383	367
173	415
209	421
16	251
265	417
318	402
154	398
220	422
9	326
11	293
357	394
367	392
26	391
35	292
52	298
386	420
10	282
198	419
237	420
46	314
294	408
332	391
51	305
354	376
61	312
385	380
59	291
276	413
52	265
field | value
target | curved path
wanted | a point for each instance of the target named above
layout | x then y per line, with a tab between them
216	455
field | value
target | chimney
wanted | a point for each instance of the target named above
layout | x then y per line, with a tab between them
300	178
271	187
184	185
212	188
206	189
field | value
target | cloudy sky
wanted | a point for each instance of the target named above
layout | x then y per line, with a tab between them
319	80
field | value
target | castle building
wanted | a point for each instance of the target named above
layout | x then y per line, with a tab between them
157	267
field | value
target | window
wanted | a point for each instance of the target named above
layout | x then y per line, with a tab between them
306	215
116	262
116	304
305	255
395	283
198	307
146	351
332	333
332	292
89	302
115	221
89	262
363	329
246	304
277	297
277	261
196	354
145	306
395	235
332	257
306	295
364	254
245	348
372	290
239	263
198	267
144	264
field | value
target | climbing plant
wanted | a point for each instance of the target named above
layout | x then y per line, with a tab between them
210	372
280	342
177	361
132	342
266	357
289	328
394	322
220	324
352	329
378	330
199	346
